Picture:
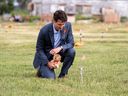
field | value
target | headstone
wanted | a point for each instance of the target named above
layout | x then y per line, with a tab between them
110	15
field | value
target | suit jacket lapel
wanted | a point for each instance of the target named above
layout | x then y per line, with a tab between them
51	34
61	32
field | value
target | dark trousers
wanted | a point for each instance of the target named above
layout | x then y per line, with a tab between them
67	59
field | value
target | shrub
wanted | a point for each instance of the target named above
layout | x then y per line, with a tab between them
124	19
82	17
31	18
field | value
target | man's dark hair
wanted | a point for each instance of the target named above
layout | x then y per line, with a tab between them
60	15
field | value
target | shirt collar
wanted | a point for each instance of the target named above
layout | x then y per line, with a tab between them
55	29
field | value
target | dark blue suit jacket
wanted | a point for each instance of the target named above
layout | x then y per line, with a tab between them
45	43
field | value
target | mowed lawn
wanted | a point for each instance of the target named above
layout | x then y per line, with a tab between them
104	63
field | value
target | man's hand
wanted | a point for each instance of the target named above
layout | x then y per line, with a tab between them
57	64
51	65
55	50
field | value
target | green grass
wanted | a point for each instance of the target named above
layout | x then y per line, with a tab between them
105	68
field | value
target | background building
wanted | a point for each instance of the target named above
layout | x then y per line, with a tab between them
72	7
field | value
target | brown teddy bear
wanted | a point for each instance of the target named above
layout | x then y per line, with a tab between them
56	60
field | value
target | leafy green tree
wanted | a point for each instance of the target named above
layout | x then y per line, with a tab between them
6	6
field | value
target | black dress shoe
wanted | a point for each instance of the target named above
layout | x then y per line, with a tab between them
62	76
38	74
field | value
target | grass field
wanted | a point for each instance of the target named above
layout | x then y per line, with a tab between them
105	66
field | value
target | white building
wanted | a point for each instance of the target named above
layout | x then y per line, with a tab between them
121	6
49	6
